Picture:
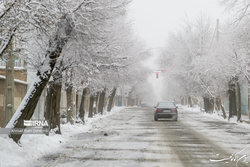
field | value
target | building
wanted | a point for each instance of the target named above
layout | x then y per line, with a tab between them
20	88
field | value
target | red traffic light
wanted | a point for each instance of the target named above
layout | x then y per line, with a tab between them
157	74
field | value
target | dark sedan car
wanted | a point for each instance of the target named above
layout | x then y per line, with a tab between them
166	110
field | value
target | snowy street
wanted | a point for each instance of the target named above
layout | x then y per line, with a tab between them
86	83
132	138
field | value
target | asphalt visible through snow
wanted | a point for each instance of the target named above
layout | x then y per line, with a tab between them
131	138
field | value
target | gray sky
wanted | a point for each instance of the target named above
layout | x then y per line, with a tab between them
154	19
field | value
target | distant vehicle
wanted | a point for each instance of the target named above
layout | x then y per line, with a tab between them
166	109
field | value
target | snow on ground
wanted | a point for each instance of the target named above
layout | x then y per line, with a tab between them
230	135
133	139
34	146
218	116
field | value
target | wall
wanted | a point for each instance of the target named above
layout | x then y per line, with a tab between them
19	92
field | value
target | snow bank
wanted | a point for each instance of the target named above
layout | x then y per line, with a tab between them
231	135
217	116
35	146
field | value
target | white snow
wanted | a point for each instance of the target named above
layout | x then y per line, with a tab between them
218	116
34	146
16	68
26	98
15	80
230	135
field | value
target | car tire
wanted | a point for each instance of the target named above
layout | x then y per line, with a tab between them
155	118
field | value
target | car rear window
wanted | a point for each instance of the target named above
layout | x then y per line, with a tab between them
166	105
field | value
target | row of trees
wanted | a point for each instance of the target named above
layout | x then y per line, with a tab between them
83	46
210	61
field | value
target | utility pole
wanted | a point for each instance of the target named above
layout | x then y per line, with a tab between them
9	84
217	30
122	92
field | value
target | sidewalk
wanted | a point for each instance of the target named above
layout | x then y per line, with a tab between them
244	118
232	136
34	146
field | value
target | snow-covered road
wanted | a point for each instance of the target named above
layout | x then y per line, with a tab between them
130	138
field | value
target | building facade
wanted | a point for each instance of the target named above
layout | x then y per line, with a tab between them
20	89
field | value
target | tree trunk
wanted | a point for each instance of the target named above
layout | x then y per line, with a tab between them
190	103
77	108
91	103
223	111
55	107
232	101
95	103
52	111
53	99
29	102
211	101
208	104
48	101
82	104
111	99
218	102
9	86
220	107
239	102
69	104
101	101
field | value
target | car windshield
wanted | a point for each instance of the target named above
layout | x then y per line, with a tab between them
166	105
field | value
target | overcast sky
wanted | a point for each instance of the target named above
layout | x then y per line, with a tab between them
154	19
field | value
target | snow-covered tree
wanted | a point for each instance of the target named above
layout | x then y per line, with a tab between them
196	60
64	29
